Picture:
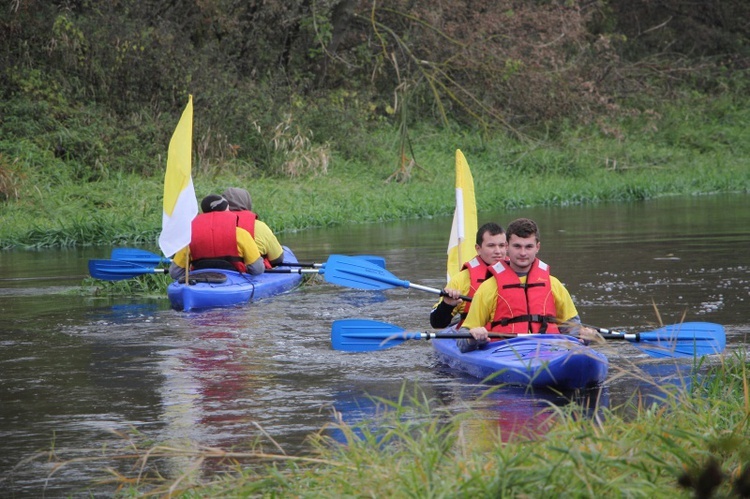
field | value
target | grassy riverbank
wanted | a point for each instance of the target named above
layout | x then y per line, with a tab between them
690	444
698	147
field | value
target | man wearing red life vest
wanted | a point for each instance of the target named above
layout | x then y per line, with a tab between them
491	247
217	242
521	297
241	203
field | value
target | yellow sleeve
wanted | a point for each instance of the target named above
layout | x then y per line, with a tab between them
180	258
268	244
564	307
483	305
461	281
246	246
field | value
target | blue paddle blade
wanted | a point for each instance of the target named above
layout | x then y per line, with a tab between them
138	256
358	273
689	339
373	259
117	270
361	335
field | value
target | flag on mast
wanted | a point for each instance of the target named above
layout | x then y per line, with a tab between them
460	247
180	203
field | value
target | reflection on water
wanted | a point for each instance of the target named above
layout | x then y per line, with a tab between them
511	412
73	368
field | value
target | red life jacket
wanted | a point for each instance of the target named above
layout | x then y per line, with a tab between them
213	242
524	308
246	220
478	273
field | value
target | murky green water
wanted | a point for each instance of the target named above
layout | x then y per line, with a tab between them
79	373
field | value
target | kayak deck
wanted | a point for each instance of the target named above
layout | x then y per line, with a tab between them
538	360
208	289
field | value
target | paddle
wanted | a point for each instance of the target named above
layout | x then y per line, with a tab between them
138	256
146	258
362	335
689	339
117	270
358	273
277	270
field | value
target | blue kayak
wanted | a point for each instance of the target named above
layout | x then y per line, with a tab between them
552	361
212	288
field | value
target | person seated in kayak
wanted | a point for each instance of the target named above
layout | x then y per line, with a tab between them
491	248
521	297
241	203
217	242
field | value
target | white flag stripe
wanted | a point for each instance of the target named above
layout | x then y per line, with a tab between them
175	232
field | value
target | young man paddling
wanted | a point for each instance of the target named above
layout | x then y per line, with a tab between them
491	248
521	297
217	242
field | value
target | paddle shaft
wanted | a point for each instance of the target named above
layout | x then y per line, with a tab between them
608	334
436	291
268	271
635	337
131	263
293	271
57	277
158	271
147	258
363	335
440	336
379	335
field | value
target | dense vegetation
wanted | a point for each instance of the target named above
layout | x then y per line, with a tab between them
595	99
689	440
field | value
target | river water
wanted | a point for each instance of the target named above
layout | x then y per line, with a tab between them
80	373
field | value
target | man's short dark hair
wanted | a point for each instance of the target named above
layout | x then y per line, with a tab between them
523	228
491	227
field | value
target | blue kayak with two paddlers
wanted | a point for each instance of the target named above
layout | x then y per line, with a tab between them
212	288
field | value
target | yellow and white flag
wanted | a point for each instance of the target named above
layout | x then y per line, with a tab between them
460	247
180	203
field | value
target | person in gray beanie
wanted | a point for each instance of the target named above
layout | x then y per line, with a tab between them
241	203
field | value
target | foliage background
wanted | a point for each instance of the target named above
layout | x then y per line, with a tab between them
91	89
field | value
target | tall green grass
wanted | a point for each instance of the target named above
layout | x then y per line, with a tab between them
148	285
692	443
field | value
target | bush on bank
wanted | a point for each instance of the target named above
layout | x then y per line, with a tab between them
699	146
